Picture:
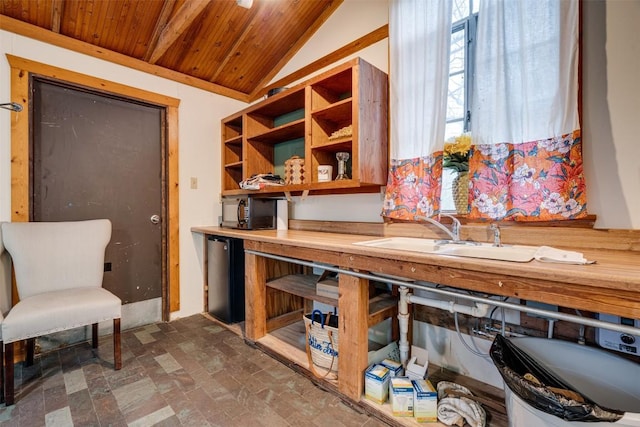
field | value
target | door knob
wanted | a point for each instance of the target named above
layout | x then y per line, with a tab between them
155	219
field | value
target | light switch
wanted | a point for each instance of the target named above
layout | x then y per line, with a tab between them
194	183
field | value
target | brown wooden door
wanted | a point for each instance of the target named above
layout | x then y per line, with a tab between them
95	156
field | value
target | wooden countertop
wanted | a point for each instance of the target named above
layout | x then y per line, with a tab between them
611	285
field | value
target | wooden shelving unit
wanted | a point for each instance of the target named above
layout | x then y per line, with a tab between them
232	150
352	95
381	306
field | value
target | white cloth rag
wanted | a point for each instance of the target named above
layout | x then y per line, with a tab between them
549	254
454	408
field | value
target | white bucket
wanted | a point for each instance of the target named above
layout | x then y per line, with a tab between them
609	380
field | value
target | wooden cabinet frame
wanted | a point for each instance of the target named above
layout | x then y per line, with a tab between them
354	94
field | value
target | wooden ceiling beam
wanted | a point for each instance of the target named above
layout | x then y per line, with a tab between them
161	23
296	47
57	9
185	16
34	32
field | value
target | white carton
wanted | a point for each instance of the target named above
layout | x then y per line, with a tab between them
418	363
401	397
395	368
425	401
376	383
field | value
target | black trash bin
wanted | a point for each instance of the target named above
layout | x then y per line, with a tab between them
559	383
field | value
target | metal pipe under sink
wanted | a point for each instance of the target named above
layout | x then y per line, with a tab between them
531	310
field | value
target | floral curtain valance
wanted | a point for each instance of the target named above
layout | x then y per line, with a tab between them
539	180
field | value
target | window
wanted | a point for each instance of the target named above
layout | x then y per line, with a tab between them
463	30
527	161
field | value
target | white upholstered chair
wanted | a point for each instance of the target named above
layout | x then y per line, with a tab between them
1	365
58	269
5	302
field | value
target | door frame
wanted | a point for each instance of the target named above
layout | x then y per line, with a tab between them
21	71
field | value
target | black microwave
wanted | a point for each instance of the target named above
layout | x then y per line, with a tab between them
248	213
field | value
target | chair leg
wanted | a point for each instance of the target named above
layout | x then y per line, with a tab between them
1	372
117	351
94	335
31	351
8	377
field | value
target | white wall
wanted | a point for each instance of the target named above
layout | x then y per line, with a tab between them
611	111
199	153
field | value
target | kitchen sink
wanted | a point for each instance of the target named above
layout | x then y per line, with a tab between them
513	253
411	244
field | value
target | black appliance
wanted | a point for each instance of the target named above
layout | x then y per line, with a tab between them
225	278
248	213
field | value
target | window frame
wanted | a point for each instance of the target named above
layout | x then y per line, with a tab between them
469	25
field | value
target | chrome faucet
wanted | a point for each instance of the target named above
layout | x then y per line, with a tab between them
454	233
496	234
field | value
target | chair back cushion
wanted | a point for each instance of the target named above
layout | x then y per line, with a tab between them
52	256
5	278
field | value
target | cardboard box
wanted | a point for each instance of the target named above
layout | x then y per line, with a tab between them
401	396
418	363
376	383
425	401
395	368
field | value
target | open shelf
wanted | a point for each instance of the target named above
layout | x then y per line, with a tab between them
281	104
318	114
347	186
334	145
236	141
281	133
491	398
341	108
288	345
232	128
232	154
381	306
331	91
330	121
234	165
302	285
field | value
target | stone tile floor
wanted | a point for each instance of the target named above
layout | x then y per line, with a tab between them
189	372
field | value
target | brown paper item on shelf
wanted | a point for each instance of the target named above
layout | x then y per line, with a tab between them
294	170
342	133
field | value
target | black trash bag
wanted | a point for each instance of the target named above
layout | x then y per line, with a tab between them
543	390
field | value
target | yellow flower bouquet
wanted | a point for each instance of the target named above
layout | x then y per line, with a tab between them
456	152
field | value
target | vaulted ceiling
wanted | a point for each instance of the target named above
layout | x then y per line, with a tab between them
217	44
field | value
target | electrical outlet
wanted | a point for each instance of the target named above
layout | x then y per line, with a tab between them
194	183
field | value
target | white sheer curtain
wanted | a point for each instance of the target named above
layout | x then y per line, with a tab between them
526	75
419	37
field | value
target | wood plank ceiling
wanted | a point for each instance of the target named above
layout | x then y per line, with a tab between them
238	50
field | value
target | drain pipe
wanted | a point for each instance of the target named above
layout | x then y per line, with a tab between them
406	298
403	324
